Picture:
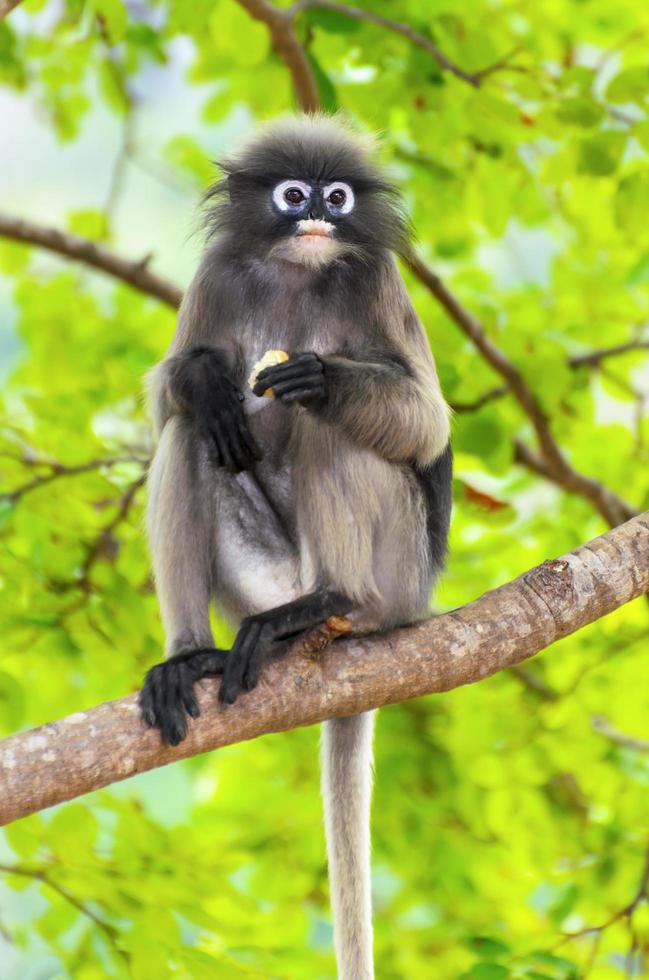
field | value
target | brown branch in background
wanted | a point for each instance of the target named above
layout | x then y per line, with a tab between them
595	357
491	395
288	47
6	6
592	359
102	544
57	470
405	30
135	273
556	467
604	727
94	748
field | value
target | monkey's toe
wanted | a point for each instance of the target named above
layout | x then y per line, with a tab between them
167	697
245	656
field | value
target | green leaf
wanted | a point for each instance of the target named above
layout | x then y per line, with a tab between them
332	21
600	155
187	155
583	112
631	85
631	204
639	274
88	223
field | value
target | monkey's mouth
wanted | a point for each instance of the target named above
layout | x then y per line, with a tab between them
311	228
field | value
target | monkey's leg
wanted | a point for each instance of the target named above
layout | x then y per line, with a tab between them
179	528
257	634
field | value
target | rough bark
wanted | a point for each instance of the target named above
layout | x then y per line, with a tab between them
94	748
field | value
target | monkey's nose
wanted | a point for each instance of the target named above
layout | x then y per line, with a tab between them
311	214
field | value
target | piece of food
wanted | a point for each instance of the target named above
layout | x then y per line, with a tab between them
270	357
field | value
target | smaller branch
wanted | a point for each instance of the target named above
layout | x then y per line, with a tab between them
604	727
101	545
90	253
420	40
595	357
58	470
627	912
41	876
487	396
288	47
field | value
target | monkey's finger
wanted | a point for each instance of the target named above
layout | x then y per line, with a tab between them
174	723
297	384
187	690
302	395
282	372
221	443
236	664
248	440
289	368
145	702
253	668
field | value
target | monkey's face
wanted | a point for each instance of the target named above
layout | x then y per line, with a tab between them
305	190
310	220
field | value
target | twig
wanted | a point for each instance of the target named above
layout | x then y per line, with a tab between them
41	876
93	748
595	357
102	543
604	727
58	470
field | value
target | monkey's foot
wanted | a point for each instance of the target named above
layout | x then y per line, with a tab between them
167	696
257	635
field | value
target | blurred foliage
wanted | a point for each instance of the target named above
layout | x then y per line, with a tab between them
508	821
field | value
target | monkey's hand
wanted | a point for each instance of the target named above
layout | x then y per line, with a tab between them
202	384
301	379
167	696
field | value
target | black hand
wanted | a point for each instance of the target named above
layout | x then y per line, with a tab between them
167	696
202	381
300	379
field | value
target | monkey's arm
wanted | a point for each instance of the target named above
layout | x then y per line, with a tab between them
198	379
385	403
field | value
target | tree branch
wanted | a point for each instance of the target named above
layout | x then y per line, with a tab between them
133	272
595	357
556	467
405	30
94	748
288	47
6	6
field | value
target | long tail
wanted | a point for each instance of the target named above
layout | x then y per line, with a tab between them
346	792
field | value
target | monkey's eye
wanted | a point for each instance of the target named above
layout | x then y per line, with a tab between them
339	197
291	194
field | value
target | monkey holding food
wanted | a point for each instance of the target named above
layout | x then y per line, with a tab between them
333	498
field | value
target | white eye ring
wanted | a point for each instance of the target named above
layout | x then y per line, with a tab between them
279	191
348	203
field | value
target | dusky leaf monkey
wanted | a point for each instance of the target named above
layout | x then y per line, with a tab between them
333	497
